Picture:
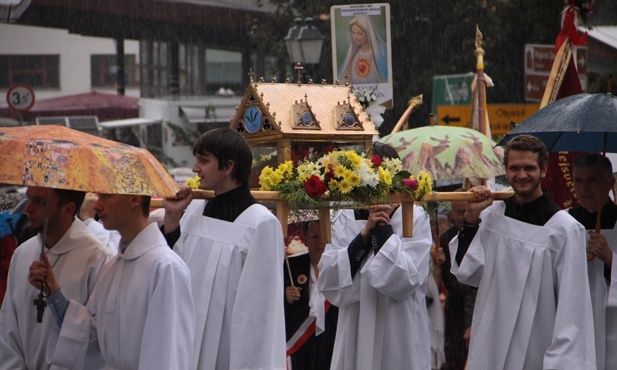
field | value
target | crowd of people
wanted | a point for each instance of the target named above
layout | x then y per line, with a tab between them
498	285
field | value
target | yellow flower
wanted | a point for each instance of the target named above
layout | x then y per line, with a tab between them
344	186
339	170
193	182
276	177
333	185
354	179
425	182
286	169
264	178
385	176
354	158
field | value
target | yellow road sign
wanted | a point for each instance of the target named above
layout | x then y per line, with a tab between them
499	115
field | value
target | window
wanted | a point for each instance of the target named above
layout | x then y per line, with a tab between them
103	69
37	71
223	68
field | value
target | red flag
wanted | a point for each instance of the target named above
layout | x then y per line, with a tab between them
558	180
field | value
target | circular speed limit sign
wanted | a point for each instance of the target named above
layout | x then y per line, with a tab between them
20	97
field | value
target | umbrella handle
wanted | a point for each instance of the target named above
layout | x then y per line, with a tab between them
591	256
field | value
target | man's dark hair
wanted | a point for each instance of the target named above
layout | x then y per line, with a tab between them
70	196
594	160
527	143
145	205
385	150
227	145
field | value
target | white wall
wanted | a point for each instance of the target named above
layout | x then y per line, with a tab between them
74	51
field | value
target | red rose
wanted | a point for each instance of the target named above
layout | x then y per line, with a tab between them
376	160
411	183
329	175
315	187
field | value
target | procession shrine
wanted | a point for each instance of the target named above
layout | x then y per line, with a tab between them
285	121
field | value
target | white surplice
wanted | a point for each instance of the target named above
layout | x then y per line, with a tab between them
533	308
608	302
237	277
140	313
109	238
383	321
77	258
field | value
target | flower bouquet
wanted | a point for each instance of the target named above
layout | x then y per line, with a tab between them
343	176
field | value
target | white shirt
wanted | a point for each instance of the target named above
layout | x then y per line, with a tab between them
382	322
77	258
140	314
237	277
533	307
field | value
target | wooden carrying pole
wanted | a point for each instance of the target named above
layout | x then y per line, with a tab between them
560	65
480	83
324	212
413	104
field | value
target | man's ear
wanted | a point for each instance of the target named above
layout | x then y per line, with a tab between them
229	167
70	208
135	201
543	171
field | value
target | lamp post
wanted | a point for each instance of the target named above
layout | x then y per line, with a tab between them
304	42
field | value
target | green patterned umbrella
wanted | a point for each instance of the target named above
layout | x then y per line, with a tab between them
448	152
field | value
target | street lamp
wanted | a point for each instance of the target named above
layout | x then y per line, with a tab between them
304	43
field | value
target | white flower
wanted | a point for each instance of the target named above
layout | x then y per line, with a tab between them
367	176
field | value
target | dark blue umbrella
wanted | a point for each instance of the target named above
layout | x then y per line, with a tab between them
577	123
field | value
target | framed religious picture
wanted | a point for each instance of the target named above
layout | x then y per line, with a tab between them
361	51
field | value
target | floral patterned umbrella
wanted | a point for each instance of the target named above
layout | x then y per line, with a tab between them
448	152
62	158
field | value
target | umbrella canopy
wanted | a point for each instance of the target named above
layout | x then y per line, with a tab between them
447	152
577	123
62	158
104	106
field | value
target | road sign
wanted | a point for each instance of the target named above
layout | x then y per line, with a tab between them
538	64
20	97
452	89
535	84
499	115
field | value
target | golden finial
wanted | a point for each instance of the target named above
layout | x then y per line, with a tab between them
251	75
346	79
479	52
287	80
323	81
261	79
274	80
415	101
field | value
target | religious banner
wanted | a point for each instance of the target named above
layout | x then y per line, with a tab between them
361	51
564	82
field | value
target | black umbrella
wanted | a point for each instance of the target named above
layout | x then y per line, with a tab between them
577	123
